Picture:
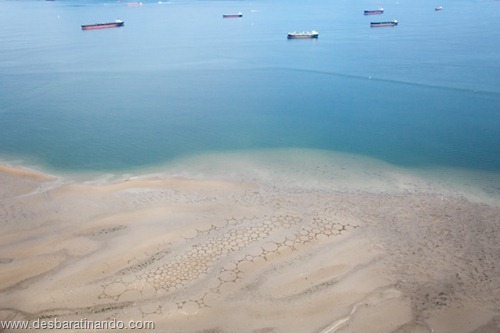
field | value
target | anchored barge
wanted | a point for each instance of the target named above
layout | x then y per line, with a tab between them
116	23
374	11
384	24
303	35
232	15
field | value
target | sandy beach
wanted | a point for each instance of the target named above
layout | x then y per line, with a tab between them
355	251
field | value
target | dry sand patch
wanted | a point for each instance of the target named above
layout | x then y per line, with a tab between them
243	256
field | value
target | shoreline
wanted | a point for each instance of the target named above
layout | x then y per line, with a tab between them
320	169
251	250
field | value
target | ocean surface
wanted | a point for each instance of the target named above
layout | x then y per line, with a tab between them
178	80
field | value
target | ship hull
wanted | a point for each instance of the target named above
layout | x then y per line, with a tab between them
102	25
374	12
383	24
302	36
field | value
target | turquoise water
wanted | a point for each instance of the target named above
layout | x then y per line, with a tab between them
178	80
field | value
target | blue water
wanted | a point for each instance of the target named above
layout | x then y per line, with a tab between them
178	80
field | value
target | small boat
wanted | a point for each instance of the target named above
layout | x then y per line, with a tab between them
232	15
134	4
303	35
116	23
374	11
438	8
384	24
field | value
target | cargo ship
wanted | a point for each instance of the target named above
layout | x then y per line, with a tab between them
116	23
303	35
384	24
232	15
374	11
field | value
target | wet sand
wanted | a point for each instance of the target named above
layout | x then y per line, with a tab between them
234	254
